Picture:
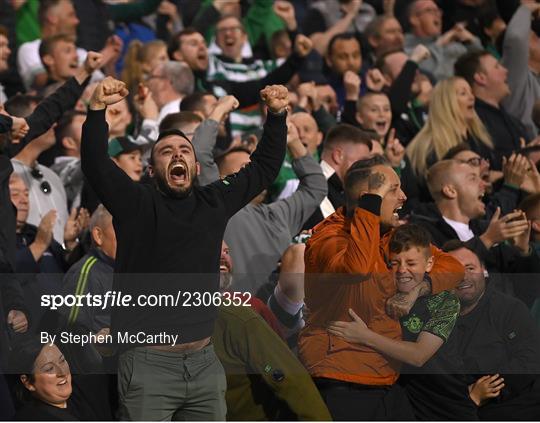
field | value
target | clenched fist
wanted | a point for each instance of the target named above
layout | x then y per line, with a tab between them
18	321
352	83
109	91
228	103
302	45
93	61
420	53
276	98
223	107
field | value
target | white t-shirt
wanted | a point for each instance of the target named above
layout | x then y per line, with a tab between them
167	109
463	231
29	63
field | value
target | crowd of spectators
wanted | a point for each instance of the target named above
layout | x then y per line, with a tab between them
363	176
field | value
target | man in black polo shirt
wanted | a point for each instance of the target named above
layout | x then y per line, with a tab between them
169	236
487	78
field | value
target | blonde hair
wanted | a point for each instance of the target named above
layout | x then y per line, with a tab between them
139	54
445	128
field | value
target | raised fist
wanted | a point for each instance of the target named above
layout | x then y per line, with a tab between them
302	45
228	103
113	48
285	10
420	53
375	80
19	129
93	61
223	107
276	98
109	91
226	7
352	7
352	83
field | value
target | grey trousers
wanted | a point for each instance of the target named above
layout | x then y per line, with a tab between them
157	385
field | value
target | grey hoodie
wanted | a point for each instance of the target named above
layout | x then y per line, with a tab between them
258	235
524	84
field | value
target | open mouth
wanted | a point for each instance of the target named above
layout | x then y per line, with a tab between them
223	269
178	173
464	285
481	198
380	125
74	65
396	212
63	382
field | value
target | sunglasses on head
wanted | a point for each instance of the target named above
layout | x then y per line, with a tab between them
44	186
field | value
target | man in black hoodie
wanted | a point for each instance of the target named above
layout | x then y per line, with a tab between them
172	229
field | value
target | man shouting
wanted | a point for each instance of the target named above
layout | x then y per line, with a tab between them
169	237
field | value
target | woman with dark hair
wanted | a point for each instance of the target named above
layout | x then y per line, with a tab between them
44	381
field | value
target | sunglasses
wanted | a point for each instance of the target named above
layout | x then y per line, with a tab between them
44	186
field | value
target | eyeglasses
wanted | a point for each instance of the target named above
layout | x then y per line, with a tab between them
45	186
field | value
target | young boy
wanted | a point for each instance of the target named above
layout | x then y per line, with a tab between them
374	112
127	156
431	362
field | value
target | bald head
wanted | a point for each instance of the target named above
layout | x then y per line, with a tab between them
102	231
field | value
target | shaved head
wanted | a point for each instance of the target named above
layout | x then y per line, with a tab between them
440	174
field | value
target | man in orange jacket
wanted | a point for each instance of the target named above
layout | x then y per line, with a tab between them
347	267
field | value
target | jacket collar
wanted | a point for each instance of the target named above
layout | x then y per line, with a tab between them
100	255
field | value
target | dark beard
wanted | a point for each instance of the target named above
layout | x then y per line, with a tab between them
161	185
225	281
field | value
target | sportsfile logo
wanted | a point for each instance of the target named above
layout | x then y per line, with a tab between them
119	299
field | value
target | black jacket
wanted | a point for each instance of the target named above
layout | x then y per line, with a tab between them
92	274
505	130
499	259
500	336
52	260
336	195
